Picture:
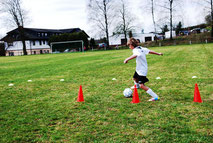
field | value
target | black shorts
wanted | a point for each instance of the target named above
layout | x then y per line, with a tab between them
141	79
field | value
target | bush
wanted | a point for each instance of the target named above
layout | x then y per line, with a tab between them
181	40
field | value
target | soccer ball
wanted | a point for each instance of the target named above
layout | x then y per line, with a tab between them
127	92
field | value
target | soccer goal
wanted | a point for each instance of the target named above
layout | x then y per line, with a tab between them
67	46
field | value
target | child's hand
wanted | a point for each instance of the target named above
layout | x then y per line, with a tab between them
161	54
125	61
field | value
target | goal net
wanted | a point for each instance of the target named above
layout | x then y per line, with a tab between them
67	46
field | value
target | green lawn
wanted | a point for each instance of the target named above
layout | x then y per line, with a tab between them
45	110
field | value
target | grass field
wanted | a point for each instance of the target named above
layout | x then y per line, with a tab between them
45	110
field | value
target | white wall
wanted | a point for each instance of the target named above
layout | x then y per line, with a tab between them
17	45
142	36
38	46
116	40
167	34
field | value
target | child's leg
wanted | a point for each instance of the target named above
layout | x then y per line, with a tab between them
136	82
149	91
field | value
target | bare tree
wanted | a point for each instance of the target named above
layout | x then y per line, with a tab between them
207	6
17	15
149	7
101	14
125	20
153	15
170	6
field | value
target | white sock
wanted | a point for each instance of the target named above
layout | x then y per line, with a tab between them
137	84
150	92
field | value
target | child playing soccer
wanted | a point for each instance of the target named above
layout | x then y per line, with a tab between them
141	66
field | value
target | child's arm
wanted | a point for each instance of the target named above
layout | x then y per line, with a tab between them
155	53
130	58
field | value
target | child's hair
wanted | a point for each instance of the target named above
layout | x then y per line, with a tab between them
133	42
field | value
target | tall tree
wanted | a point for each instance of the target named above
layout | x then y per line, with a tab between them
92	43
170	11
149	7
164	29
208	19
17	15
125	19
210	7
211	3
178	28
101	14
170	6
153	14
207	5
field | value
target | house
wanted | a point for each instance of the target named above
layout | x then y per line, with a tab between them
116	40
36	40
146	37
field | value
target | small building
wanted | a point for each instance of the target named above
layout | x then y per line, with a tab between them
117	40
146	37
36	40
141	37
167	34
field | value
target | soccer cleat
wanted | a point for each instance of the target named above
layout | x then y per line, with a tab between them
153	99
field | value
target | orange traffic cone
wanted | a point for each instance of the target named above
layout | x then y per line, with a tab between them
80	95
135	98
197	97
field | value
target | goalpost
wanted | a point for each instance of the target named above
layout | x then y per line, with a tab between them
67	46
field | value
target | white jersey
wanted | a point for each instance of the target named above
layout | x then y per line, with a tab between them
141	62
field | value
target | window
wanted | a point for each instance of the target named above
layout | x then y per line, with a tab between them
42	34
123	41
33	43
10	44
11	53
34	52
44	51
47	51
39	34
40	42
148	39
44	42
45	34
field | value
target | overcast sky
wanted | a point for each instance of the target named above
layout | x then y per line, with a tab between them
59	14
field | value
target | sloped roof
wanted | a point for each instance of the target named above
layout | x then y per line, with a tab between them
32	33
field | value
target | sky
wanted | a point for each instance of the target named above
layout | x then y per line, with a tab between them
62	14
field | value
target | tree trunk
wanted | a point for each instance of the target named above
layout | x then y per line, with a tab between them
22	37
171	1
153	16
124	23
212	19
153	19
24	47
106	22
